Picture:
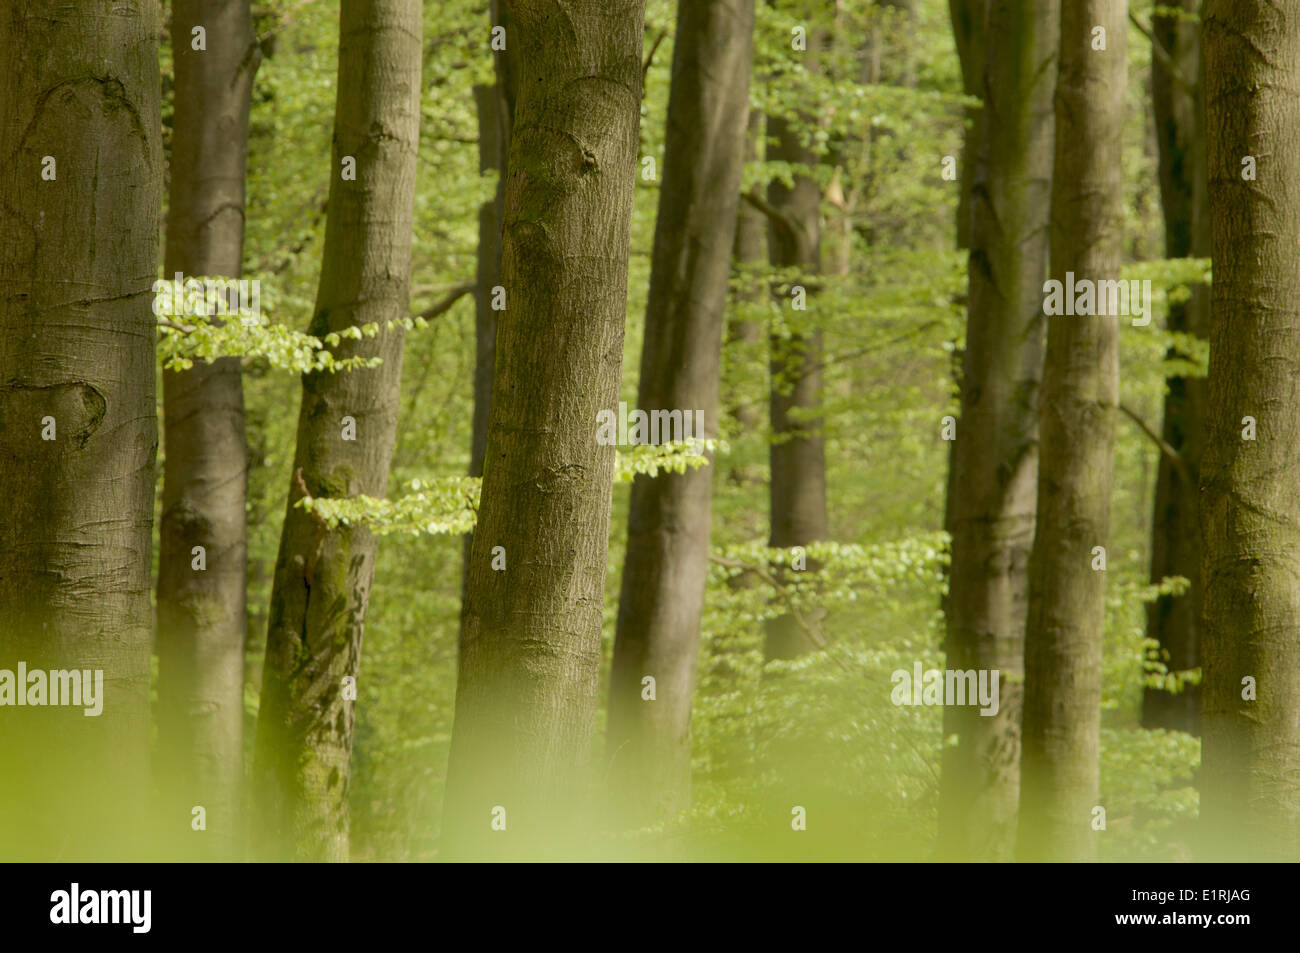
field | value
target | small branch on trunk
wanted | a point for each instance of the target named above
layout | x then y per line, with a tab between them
445	304
774	214
1174	457
650	58
1163	56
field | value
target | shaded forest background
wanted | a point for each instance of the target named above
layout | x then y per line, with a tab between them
870	108
892	322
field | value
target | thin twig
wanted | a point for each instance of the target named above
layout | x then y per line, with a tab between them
451	298
1174	457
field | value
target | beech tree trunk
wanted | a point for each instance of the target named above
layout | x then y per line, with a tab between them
649	741
968	19
992	487
1175	622
797	494
530	653
323	576
1250	515
201	612
496	110
80	199
1080	393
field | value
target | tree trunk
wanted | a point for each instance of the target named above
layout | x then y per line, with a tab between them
995	454
201	613
322	576
669	519
968	18
797	492
80	198
748	252
496	110
526	695
1175	533
1250	515
1080	393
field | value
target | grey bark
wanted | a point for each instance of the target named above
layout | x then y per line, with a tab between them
995	454
526	690
1250	514
78	258
323	577
797	492
663	579
201	613
1080	393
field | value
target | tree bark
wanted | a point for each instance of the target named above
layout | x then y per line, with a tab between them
669	519
797	494
1250	515
323	577
968	19
1175	621
201	613
78	431
995	454
496	111
1080	393
526	691
748	251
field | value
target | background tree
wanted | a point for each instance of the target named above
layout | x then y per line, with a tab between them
526	693
1250	801
669	519
992	486
1080	393
346	427
797	491
80	196
201	613
1175	621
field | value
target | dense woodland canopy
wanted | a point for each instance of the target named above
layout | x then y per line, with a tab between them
475	599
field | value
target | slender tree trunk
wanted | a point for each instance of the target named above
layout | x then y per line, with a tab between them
496	108
1250	515
968	18
995	454
526	696
201	612
1080	392
80	198
748	251
1175	622
797	495
669	519
346	429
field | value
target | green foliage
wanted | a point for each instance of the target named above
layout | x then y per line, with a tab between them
821	730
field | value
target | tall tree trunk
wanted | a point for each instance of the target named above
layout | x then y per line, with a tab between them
748	251
669	519
1080	392
496	110
995	454
322	576
1250	515
797	495
526	693
1175	532
968	19
80	198
201	612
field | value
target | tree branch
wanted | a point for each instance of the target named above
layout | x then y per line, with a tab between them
1163	56
451	298
774	214
1172	455
650	58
